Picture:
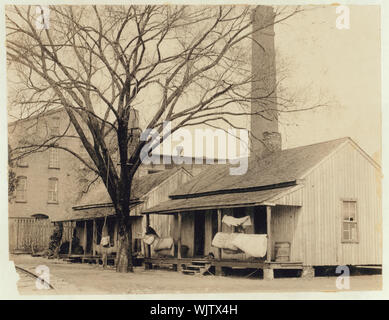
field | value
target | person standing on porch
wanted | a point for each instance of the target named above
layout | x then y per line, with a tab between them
104	243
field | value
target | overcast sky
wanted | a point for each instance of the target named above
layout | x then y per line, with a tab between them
340	66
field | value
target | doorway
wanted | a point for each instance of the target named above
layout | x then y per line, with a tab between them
260	220
89	237
199	233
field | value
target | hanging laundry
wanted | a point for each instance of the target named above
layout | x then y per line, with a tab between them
254	245
163	244
234	222
149	239
105	239
224	241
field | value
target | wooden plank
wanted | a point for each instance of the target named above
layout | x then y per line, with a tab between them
70	226
116	235
17	233
219	229
179	235
269	235
227	263
148	247
84	238
94	244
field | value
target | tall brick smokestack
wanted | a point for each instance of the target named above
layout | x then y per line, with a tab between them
265	137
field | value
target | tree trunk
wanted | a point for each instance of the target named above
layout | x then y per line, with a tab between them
124	258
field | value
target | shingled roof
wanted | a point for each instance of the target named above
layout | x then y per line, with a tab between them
277	168
98	194
266	179
227	200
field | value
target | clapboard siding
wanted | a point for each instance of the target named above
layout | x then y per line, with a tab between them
347	173
162	224
284	224
291	198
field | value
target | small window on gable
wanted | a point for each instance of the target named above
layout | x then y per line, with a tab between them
349	221
21	189
53	190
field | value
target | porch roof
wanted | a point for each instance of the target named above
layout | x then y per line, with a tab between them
228	200
91	213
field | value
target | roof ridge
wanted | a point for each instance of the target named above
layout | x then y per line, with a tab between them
33	117
279	167
317	143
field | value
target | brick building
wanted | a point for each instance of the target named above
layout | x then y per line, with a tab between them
50	180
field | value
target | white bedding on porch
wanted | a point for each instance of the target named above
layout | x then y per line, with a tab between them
254	245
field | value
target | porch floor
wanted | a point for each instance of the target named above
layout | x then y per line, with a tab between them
254	264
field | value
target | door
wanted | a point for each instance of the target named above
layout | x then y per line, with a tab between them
199	234
260	220
89	237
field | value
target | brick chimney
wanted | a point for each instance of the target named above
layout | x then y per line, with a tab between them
265	137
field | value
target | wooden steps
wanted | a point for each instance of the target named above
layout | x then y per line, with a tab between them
197	267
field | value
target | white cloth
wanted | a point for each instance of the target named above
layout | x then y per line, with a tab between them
224	241
149	239
252	244
104	241
163	244
232	221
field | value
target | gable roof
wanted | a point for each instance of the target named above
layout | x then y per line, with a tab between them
98	195
278	168
97	202
266	180
42	114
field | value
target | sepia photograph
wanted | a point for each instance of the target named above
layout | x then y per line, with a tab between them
192	149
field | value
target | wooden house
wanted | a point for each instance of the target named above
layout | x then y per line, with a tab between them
321	203
87	218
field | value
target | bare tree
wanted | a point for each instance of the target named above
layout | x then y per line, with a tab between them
12	178
183	64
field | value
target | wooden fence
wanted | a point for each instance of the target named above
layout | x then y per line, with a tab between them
29	234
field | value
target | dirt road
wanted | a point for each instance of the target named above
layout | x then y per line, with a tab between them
91	279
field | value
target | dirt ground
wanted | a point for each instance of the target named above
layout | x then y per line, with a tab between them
93	279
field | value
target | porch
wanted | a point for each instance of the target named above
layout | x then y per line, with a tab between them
83	237
194	230
185	264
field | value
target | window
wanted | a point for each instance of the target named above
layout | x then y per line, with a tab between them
53	158
22	162
53	190
349	221
21	189
54	127
83	155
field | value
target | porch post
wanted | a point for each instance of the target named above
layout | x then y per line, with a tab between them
269	236
70	227
116	242
94	238
148	247
179	235
219	229
85	238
